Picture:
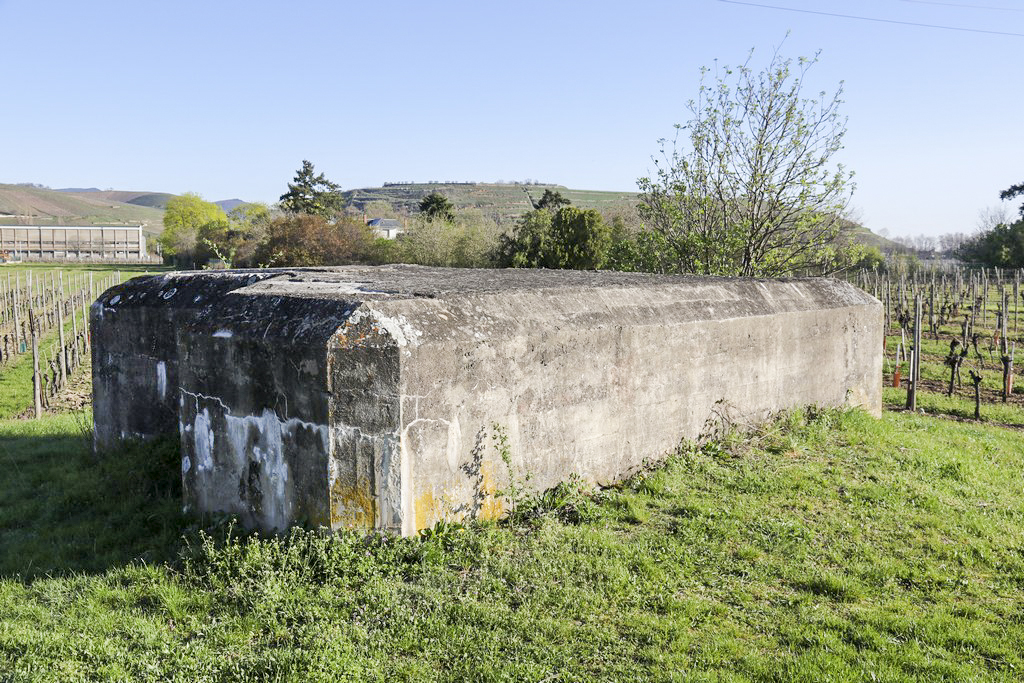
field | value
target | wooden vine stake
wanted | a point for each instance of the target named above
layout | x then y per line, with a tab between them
915	357
1005	354
37	388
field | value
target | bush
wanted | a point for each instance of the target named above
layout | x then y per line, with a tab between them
571	238
468	241
307	240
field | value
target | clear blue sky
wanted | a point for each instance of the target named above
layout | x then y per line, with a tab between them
226	98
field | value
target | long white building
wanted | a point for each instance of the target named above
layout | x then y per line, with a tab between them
73	242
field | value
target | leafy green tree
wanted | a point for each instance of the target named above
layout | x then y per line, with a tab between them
644	251
581	239
552	200
1000	246
871	258
237	242
753	190
527	246
572	238
468	240
312	194
1014	191
184	218
436	206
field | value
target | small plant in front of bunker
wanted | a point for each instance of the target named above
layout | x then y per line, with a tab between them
443	533
571	501
517	489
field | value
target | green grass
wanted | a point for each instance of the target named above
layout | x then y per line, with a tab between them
62	510
16	377
829	546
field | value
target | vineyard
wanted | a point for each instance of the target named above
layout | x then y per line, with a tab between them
44	334
950	334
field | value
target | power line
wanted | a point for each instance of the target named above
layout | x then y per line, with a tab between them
960	4
881	21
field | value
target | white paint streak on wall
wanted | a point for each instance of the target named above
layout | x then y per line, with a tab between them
161	379
454	449
223	334
202	433
267	451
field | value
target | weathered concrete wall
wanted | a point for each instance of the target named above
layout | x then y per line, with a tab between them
367	397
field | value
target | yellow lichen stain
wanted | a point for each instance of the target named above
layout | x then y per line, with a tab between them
352	508
427	510
491	507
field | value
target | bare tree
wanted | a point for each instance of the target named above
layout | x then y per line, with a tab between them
753	190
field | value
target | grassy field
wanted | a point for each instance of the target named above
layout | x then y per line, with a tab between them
16	377
827	546
127	270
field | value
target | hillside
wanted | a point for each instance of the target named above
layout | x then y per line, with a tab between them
228	204
507	202
27	204
23	204
157	200
864	236
504	202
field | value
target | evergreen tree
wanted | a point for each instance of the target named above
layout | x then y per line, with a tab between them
552	200
436	205
312	194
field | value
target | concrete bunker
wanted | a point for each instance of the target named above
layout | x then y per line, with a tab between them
366	396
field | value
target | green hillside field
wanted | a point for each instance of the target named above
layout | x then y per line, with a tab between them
26	205
156	200
504	202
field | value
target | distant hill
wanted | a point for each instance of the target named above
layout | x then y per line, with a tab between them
27	203
862	235
31	204
504	202
24	204
155	200
228	204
